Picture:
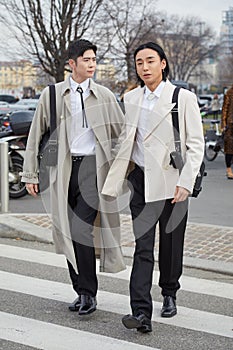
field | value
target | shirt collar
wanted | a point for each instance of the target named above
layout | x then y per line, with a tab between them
157	92
84	85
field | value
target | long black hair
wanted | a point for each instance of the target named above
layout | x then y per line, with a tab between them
160	52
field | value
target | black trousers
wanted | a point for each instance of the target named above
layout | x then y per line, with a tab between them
82	210
228	160
172	220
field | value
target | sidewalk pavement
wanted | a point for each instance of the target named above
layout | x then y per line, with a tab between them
207	247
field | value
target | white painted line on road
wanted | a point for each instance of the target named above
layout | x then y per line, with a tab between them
44	335
190	284
187	318
33	255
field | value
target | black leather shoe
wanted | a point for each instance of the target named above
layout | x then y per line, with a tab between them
88	304
169	307
76	304
141	322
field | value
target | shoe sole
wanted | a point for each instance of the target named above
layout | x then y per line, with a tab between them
169	315
88	312
74	309
131	323
144	329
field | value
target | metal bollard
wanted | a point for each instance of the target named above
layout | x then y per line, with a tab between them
4	181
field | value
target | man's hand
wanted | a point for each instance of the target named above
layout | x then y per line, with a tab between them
32	189
181	194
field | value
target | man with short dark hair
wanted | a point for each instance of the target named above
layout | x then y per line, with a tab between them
89	120
159	191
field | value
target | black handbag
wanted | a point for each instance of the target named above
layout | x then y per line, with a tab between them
48	147
175	157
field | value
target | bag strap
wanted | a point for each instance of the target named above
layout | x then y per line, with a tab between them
53	114
175	120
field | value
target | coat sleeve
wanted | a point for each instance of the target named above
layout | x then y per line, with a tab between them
38	128
193	140
113	185
117	127
225	108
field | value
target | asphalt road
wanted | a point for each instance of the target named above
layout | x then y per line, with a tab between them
35	293
211	207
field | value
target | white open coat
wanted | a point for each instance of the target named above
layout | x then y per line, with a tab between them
161	178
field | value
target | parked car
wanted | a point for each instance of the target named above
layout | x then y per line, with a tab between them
181	83
4	104
8	98
4	108
25	103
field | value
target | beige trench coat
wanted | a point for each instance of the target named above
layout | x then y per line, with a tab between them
161	178
105	118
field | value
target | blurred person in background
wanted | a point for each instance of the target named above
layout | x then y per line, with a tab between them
227	128
215	106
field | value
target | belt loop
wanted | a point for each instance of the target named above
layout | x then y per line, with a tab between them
77	158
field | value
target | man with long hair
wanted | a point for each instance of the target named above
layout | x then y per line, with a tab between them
159	191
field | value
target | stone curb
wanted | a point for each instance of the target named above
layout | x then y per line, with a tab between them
222	267
14	228
11	227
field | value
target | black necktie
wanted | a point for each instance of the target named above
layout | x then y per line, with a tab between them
80	90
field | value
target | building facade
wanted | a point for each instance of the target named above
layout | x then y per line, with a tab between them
226	32
16	76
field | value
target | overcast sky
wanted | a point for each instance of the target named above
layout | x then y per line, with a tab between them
210	11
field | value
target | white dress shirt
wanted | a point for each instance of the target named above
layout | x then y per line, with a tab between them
82	139
148	104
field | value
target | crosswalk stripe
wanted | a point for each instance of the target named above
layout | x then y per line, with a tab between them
44	335
32	255
191	284
187	318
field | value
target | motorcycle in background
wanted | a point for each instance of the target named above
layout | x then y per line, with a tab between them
16	138
5	123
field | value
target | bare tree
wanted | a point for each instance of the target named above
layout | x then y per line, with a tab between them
225	73
188	42
126	24
44	29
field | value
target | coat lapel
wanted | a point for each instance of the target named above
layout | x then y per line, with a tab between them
133	108
65	118
161	109
95	113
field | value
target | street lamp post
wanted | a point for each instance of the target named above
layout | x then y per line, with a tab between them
201	25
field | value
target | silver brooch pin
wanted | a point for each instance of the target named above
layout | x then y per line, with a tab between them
151	96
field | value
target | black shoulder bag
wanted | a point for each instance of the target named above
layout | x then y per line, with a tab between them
48	147
176	157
